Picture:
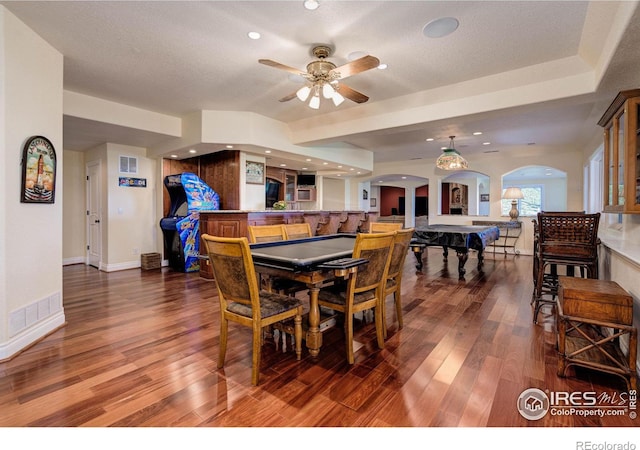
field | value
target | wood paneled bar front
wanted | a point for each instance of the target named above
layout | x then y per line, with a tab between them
228	223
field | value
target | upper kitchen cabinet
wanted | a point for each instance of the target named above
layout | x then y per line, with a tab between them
622	153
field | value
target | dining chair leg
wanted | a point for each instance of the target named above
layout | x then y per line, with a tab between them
380	325
348	331
255	357
384	317
397	298
224	328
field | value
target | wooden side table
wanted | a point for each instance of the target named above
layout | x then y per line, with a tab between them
592	316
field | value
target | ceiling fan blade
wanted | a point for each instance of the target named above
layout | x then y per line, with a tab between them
357	66
289	97
351	94
277	65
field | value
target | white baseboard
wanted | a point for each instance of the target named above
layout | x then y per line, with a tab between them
31	335
120	266
74	260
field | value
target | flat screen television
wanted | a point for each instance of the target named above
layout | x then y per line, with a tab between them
306	179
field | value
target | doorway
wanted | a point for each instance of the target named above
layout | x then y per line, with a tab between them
94	214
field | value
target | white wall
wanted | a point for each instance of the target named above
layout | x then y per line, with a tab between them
30	234
252	196
74	210
333	194
131	211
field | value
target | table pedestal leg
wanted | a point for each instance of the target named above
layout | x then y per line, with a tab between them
314	336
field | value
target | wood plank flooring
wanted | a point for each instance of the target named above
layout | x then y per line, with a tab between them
140	347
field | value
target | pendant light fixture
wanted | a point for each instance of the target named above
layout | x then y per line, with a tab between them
451	159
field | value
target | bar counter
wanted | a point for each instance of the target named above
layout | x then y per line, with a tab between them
234	223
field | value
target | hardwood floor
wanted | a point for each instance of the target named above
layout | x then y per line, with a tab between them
140	348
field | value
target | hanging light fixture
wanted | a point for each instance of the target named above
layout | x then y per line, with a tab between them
451	159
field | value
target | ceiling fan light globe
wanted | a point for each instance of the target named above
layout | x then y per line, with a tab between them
337	99
328	91
303	93
314	103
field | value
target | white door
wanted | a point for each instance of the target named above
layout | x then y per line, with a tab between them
94	215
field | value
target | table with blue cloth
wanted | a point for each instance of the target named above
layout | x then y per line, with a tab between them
460	238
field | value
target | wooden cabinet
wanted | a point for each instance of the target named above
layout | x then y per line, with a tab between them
306	194
290	186
621	124
288	178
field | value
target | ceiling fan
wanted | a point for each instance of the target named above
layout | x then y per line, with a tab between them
323	78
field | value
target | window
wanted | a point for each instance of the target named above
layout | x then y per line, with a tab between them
530	205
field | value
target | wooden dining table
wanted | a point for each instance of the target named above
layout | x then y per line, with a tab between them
314	261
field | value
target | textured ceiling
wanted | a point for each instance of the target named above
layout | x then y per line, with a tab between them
180	57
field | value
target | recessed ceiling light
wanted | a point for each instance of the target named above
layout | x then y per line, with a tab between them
477	133
404	178
440	27
352	169
308	160
486	143
192	151
267	151
229	146
339	167
253	35
311	4
429	139
382	66
305	168
174	156
325	163
283	165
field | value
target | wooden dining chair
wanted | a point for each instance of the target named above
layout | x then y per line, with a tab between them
265	233
393	285
273	233
297	230
384	227
364	289
242	301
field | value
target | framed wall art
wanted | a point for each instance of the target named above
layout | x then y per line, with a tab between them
484	197
38	171
254	172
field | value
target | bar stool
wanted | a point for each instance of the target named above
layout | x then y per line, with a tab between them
567	239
